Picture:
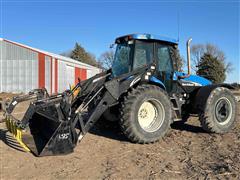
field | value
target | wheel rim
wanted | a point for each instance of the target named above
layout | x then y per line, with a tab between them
151	115
223	111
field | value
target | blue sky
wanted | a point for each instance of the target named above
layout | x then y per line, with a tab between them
55	26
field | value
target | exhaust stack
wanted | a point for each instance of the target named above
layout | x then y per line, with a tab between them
188	60
189	56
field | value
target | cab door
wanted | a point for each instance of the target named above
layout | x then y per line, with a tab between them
164	65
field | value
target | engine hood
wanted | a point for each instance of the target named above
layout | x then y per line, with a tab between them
193	79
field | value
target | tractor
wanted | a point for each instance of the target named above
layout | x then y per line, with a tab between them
143	91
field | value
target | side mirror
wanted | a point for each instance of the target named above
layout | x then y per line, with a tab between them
111	46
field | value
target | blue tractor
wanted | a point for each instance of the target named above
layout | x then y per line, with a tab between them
143	91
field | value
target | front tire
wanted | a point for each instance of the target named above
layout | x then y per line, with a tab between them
146	114
219	113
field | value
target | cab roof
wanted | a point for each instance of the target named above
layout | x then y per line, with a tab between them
146	37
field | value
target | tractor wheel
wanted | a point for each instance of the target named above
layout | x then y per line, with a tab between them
146	114
219	113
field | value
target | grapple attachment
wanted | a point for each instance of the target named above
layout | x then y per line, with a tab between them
42	129
53	125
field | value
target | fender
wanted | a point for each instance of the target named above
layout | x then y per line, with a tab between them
204	92
158	82
225	85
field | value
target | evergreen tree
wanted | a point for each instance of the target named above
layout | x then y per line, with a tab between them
211	68
80	54
198	50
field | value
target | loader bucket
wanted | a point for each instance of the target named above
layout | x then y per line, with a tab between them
45	134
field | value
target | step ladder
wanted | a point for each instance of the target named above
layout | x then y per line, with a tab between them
176	108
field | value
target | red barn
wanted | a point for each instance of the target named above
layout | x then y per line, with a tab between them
23	68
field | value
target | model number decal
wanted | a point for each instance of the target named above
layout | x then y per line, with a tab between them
14	103
63	136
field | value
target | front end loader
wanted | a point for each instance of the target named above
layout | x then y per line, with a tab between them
53	125
143	89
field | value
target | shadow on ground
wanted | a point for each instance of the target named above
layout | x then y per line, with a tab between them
112	130
107	129
178	125
9	140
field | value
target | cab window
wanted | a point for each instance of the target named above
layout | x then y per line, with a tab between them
143	54
164	58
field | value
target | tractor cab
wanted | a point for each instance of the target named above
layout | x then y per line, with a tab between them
139	50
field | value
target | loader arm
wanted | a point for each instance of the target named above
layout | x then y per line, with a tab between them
53	125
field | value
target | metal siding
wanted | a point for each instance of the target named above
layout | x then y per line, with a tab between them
83	74
56	75
41	70
70	76
62	81
21	74
48	73
92	72
35	71
77	74
4	66
89	73
28	75
53	75
19	69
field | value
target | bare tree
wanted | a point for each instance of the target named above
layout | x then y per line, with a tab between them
198	50
106	59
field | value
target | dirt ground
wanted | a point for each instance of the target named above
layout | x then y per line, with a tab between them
187	152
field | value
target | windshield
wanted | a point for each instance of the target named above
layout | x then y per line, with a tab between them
121	63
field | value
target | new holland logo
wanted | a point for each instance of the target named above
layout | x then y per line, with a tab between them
188	83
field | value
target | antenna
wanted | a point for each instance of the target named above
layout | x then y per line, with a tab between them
178	22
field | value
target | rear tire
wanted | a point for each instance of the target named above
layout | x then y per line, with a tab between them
219	113
146	114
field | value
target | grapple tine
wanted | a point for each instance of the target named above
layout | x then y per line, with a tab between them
19	139
15	131
10	126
